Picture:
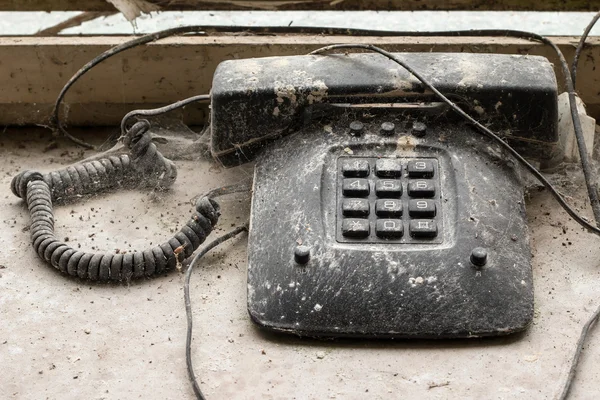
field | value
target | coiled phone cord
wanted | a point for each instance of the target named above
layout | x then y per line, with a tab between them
144	163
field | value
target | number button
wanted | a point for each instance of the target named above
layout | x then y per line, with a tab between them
355	168
387	188
389	228
388	168
355	187
420	169
355	208
356	228
423	228
421	208
388	208
421	188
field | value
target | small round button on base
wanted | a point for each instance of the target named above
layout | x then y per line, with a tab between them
419	129
302	254
479	257
387	129
356	128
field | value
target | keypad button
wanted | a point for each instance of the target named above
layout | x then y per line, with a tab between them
355	187
421	208
356	228
355	168
388	168
389	228
388	208
388	188
421	188
420	169
355	208
423	228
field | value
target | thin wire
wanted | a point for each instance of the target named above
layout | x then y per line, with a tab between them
160	110
57	125
188	304
584	332
55	116
592	320
580	45
221	191
487	132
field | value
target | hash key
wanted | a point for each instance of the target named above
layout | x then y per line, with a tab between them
355	187
423	228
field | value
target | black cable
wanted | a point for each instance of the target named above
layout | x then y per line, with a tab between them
160	110
486	131
188	304
592	320
55	117
573	369
579	47
55	122
144	165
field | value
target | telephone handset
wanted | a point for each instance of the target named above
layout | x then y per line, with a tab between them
377	213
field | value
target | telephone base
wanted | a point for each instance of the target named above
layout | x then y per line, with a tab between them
308	276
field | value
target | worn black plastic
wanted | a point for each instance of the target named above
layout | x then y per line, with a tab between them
474	277
260	99
397	288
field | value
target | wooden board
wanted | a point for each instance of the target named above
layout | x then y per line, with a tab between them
103	5
35	69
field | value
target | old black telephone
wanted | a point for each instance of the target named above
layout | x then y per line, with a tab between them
380	214
376	212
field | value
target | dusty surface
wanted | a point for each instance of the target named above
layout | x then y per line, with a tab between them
64	339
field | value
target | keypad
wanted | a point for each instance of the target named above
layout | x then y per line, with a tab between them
389	200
